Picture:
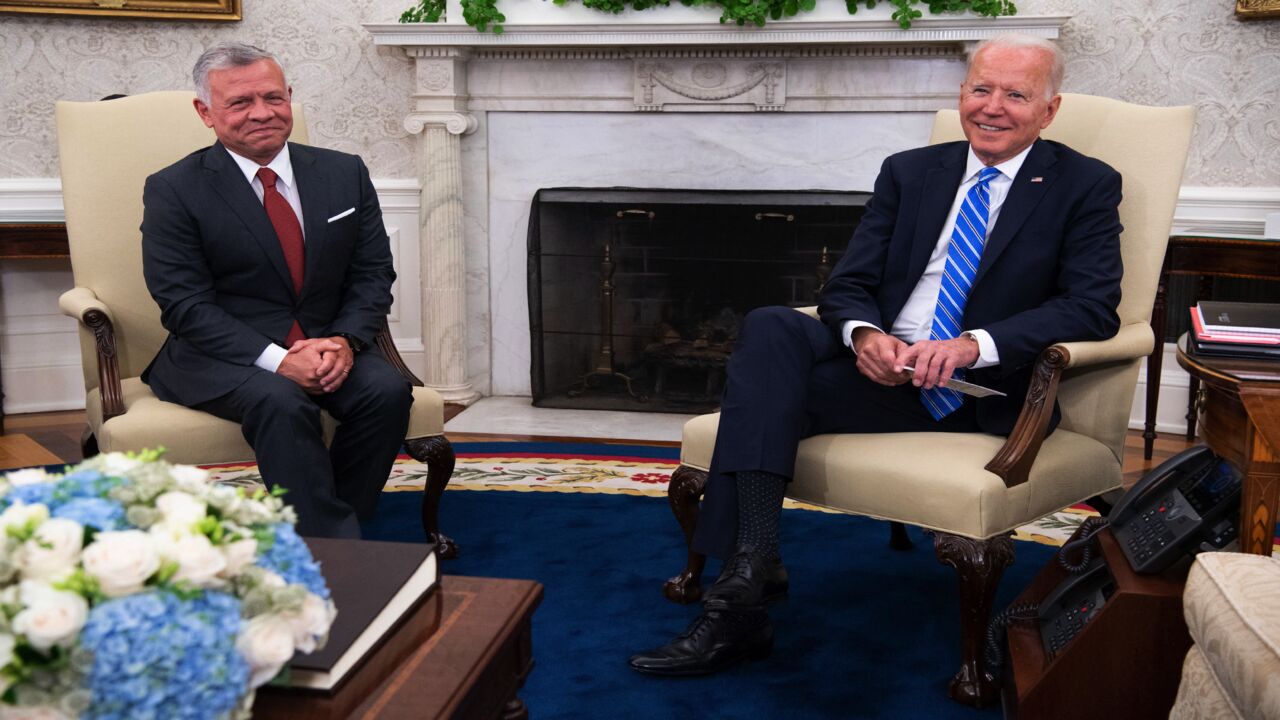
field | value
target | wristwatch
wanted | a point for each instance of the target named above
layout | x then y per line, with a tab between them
353	342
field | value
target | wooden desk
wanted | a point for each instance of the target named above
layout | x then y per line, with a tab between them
26	241
1205	256
1239	410
472	666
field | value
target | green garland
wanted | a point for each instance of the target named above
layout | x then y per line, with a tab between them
484	14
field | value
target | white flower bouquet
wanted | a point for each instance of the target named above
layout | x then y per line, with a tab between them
132	589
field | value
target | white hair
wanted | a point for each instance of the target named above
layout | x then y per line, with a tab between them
1057	66
222	57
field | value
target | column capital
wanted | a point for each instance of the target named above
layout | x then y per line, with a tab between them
457	123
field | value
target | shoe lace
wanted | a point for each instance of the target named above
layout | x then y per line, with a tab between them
737	564
701	625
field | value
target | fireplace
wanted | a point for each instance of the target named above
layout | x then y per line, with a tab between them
636	296
570	105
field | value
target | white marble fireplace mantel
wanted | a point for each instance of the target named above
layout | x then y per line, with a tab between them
598	100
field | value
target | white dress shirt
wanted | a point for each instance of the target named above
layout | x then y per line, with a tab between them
273	354
915	321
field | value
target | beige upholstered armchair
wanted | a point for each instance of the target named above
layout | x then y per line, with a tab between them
972	490
107	151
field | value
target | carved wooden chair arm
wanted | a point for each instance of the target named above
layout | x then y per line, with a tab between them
83	305
387	345
1012	463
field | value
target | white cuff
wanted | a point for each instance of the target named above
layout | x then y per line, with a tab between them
987	353
846	330
271	358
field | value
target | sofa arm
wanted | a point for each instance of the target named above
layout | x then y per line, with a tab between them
83	305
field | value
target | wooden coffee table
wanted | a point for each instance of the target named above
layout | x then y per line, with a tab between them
471	666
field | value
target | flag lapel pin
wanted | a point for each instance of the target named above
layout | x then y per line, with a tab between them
1037	179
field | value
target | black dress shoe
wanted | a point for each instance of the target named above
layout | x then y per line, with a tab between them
712	643
747	582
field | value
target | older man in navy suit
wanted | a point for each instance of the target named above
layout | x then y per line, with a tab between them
273	272
971	259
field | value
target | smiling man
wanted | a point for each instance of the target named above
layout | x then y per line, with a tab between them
273	273
972	258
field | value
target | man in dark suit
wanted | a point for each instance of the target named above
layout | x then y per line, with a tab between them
273	272
972	258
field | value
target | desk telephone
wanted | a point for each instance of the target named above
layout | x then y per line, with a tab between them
1188	504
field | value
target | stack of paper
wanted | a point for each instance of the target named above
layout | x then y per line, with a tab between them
1237	329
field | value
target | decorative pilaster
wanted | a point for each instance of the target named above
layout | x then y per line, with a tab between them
439	116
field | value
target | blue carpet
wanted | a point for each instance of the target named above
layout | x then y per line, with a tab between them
868	632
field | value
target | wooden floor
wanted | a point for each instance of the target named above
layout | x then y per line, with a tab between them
51	438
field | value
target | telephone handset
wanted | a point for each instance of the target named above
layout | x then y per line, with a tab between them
1188	504
1071	605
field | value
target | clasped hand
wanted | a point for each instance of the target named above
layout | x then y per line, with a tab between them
319	365
883	357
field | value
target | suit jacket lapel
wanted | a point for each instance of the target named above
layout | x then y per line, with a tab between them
227	180
311	185
1024	195
937	195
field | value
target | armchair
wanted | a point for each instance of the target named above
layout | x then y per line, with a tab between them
971	490
107	150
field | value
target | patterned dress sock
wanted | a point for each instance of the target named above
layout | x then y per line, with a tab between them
760	496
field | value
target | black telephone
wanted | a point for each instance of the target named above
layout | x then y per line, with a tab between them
1076	601
1188	504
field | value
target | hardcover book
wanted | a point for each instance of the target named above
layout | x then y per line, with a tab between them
1240	317
375	586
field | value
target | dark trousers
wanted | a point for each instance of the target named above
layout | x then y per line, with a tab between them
791	377
333	488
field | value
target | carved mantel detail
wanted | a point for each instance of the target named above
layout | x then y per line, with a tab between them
761	85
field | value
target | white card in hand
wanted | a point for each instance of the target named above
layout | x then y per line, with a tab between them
964	387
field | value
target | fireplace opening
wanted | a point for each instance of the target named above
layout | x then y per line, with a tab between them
636	296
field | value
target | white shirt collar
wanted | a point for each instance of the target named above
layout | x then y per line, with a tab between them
280	164
1008	169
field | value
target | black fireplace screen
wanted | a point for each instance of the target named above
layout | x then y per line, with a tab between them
635	296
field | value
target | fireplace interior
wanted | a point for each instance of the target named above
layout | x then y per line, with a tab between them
635	295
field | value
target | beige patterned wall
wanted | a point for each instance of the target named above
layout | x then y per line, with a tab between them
1163	52
356	95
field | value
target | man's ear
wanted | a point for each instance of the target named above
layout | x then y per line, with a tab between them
203	111
1050	114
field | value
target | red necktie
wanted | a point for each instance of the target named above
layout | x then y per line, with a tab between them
289	231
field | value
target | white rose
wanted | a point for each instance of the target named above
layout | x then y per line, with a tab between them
181	510
30	476
117	463
17	515
199	561
189	477
51	617
7	642
54	551
266	643
238	555
311	623
121	561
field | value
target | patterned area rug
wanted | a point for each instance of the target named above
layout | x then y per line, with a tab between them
594	468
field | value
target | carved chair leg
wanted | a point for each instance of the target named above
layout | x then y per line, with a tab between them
898	538
683	494
979	564
437	454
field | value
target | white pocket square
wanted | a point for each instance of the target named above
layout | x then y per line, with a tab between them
342	214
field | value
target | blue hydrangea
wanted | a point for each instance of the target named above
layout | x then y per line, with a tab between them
93	512
290	558
83	484
30	494
157	655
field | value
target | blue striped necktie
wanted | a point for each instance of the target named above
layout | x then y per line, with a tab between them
963	254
